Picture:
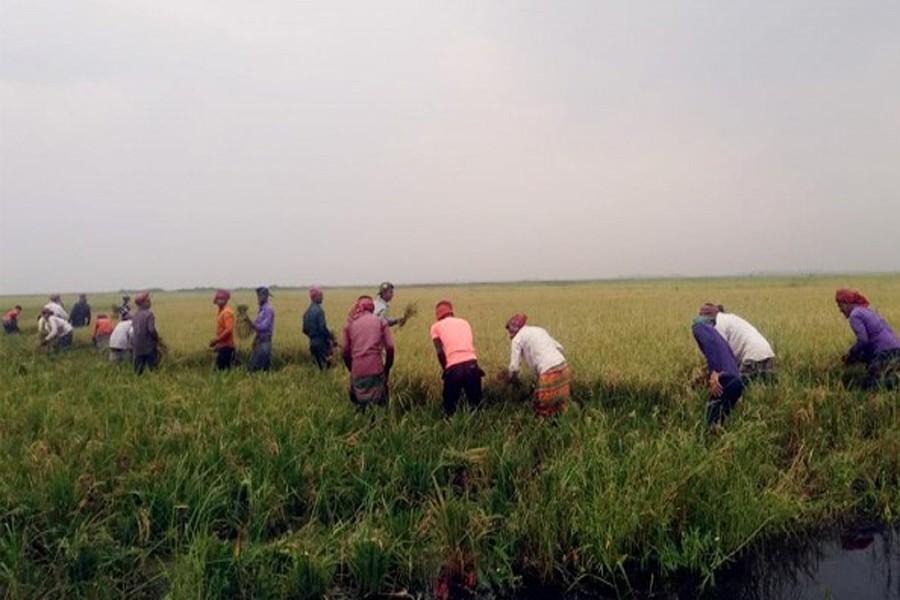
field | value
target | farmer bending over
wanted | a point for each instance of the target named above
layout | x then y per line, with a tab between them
455	349
725	383
544	358
876	343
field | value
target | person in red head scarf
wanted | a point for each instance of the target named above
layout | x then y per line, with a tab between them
876	343
543	355
455	347
223	343
368	353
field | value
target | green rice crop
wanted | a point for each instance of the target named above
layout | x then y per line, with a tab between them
191	483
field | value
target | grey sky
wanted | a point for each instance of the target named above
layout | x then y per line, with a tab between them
186	143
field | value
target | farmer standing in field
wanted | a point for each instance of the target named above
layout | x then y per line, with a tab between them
725	382
321	341
752	351
223	343
121	339
368	354
382	304
55	330
455	348
876	343
544	357
145	338
11	320
81	312
100	334
56	307
264	326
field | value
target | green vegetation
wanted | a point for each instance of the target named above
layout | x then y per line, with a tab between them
199	484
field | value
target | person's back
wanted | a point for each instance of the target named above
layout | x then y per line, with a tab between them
57	310
366	337
144	335
716	350
745	341
81	313
120	338
873	333
537	347
456	337
103	325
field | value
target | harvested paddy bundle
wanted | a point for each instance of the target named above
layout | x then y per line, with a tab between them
243	327
409	311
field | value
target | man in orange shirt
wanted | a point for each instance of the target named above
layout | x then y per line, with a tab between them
11	320
455	349
223	343
103	328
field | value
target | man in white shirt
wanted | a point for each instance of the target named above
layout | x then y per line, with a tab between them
752	351
120	340
55	306
544	358
382	305
54	330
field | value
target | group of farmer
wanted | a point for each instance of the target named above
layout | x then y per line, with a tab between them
736	353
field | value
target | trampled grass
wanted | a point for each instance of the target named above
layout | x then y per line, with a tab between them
192	483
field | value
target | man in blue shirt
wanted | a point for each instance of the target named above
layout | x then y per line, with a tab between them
725	384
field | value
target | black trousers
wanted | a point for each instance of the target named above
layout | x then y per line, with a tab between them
148	361
224	359
458	378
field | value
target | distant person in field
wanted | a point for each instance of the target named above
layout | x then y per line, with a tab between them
125	308
455	348
11	320
724	375
321	341
223	343
81	312
120	340
55	305
383	304
264	326
876	343
100	334
368	353
543	356
54	331
145	338
752	351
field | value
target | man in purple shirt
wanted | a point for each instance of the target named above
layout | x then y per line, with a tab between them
725	383
876	343
368	353
264	326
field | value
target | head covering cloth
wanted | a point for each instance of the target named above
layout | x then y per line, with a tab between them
363	305
443	309
710	310
517	321
315	291
847	296
222	295
142	298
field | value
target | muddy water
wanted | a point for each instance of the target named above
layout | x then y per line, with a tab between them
862	563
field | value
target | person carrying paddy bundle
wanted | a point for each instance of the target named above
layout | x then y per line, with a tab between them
11	320
264	327
752	351
54	330
81	312
382	306
100	334
120	341
368	353
223	343
544	358
321	341
876	343
145	338
455	348
724	375
55	305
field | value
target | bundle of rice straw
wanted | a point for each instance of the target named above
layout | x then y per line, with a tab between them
242	326
409	311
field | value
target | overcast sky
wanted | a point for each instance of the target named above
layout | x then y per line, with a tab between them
184	143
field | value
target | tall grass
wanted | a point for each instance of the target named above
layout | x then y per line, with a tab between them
192	483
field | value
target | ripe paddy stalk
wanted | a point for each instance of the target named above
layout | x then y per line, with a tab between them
189	481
